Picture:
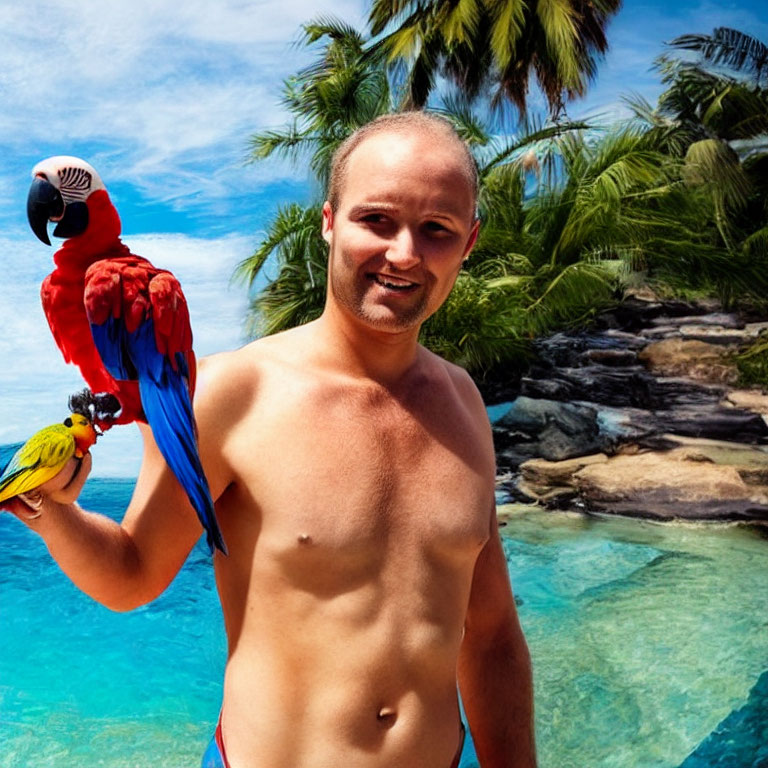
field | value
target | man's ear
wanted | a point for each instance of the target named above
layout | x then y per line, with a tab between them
327	222
472	239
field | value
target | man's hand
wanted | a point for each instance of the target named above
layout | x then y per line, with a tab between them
64	488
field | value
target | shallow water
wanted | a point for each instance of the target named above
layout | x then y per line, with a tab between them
645	638
83	686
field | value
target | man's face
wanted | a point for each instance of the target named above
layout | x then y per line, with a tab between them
405	221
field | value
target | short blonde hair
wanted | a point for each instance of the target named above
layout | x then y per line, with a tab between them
399	122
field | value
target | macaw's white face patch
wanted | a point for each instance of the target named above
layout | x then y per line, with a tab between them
74	184
74	178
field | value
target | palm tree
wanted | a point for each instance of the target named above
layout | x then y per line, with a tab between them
294	246
714	115
340	92
493	43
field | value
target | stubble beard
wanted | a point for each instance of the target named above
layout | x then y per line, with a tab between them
353	289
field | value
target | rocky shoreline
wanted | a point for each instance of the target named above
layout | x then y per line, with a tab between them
638	416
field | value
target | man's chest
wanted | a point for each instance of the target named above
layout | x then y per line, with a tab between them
346	476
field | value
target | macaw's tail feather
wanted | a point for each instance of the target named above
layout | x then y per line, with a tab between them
169	413
168	408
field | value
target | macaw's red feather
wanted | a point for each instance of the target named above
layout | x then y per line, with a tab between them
131	289
125	323
97	277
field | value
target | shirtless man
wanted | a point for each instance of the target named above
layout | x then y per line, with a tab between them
353	473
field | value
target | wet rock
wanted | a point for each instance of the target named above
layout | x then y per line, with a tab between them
611	357
718	423
550	429
660	331
629	386
638	417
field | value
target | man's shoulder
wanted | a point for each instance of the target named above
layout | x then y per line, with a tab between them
456	378
245	369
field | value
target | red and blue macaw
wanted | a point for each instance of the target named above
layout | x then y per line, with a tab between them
122	321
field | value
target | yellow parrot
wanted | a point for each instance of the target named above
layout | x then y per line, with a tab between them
44	455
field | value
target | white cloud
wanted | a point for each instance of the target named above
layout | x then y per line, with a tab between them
34	380
163	86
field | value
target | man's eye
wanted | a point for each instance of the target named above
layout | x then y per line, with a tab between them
373	218
436	227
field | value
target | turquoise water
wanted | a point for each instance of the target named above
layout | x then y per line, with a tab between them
83	686
648	644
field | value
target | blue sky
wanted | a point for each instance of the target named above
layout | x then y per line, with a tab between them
161	97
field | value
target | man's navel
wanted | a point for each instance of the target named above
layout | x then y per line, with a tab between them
386	716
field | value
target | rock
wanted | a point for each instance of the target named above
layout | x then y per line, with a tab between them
611	357
642	293
623	339
619	425
750	461
694	479
544	474
670	485
660	331
570	350
722	319
637	417
717	423
550	429
630	386
693	359
748	399
755	329
634	313
716	335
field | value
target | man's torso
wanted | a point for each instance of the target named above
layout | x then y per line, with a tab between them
353	524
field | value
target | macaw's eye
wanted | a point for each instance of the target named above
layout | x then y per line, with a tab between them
67	422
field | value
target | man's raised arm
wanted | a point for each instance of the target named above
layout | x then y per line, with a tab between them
121	565
125	565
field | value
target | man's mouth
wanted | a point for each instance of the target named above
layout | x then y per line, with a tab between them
393	283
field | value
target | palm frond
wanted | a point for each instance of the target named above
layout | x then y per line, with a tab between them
730	48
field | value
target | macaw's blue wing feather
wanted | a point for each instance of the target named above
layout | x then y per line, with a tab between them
167	406
112	342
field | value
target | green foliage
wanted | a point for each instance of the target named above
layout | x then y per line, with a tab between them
296	247
492	46
478	327
713	119
753	365
678	195
340	92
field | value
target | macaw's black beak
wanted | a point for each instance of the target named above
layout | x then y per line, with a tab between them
43	203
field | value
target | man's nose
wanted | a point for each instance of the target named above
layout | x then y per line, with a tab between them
403	251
